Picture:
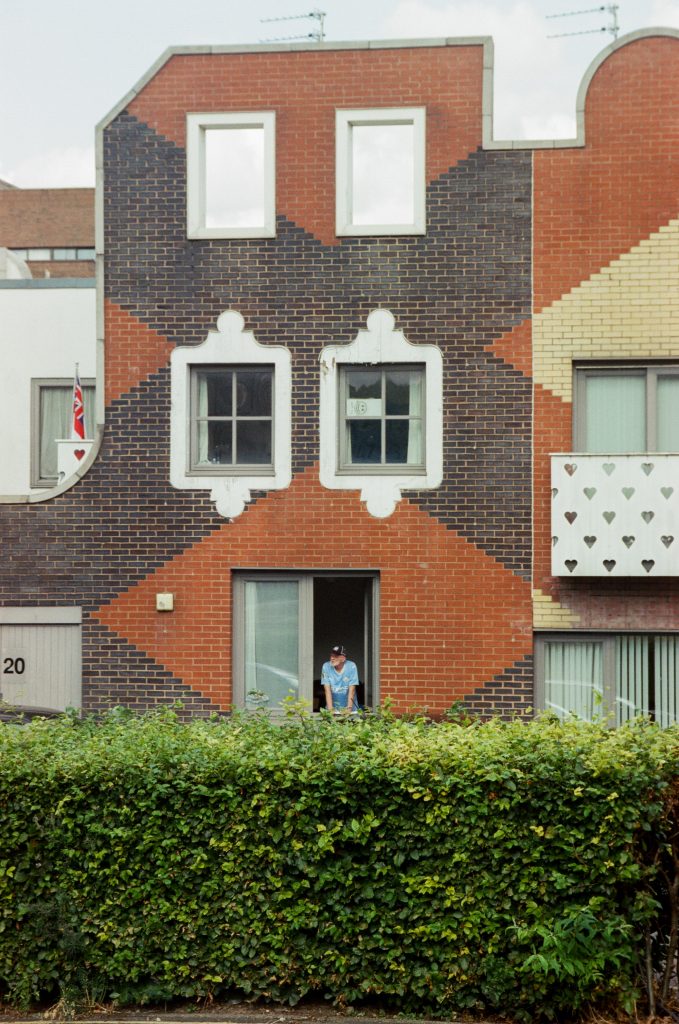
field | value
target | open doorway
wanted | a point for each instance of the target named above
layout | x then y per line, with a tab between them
343	614
284	626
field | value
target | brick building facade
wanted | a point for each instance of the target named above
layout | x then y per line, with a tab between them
430	553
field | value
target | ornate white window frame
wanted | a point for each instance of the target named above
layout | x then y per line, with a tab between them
229	345
380	343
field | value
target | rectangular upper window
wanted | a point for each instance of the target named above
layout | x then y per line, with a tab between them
51	419
382	418
613	677
380	164
231	175
232	419
627	409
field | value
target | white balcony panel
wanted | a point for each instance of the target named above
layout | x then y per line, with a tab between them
615	515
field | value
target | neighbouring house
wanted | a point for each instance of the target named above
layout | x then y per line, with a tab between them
371	376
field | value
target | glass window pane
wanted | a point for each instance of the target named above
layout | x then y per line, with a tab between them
404	392
397	441
383	174
253	393
615	410
64	254
271	642
86	254
631	677
574	678
56	411
253	442
668	413
364	384
214	442
215	393
234	177
40	254
666	679
364	445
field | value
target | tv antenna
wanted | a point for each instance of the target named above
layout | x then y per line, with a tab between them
613	28
317	34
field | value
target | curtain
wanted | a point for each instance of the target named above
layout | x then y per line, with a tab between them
574	678
668	414
271	641
631	677
615	410
415	425
666	678
203	426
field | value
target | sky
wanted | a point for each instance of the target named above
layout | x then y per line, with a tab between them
64	64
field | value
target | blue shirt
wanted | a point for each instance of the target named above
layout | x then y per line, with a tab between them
339	683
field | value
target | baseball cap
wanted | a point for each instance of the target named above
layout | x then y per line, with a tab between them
338	649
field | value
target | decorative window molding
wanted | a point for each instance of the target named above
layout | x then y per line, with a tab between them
230	346
380	344
380	167
231	175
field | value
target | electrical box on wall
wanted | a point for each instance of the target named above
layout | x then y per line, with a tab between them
164	602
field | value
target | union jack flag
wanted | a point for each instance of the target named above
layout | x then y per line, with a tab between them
78	425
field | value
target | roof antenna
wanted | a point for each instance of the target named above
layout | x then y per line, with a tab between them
613	27
317	34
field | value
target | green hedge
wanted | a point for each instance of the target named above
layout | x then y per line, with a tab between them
502	867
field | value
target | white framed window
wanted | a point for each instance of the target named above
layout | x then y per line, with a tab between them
382	418
380	171
611	677
230	420
51	419
381	408
627	408
231	175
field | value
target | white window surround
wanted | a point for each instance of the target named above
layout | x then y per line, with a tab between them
345	121
379	344
229	345
196	127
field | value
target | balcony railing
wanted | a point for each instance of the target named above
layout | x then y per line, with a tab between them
615	515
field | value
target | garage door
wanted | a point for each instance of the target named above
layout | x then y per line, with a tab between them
40	657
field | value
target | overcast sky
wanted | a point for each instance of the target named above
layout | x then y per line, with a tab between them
65	63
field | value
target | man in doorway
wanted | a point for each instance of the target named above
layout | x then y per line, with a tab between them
340	680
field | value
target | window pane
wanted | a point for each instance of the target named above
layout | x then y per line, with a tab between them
573	678
253	444
398	442
56	417
271	642
86	254
668	413
234	177
214	393
615	411
214	442
364	384
40	254
253	393
64	254
631	672
404	392
666	679
364	442
383	174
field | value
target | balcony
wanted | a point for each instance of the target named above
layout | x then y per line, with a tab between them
615	515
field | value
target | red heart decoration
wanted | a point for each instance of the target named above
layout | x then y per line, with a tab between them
78	452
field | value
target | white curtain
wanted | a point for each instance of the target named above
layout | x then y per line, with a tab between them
666	679
631	682
415	425
202	411
574	678
271	641
668	414
616	413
